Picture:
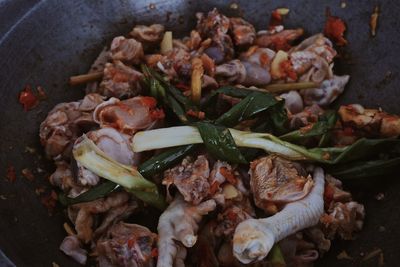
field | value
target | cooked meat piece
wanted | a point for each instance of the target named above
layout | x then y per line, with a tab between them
327	93
306	117
126	50
98	66
233	71
194	41
130	115
213	23
190	178
64	123
120	80
317	236
148	35
334	191
114	144
115	215
242	31
370	122
343	219
72	247
179	222
246	73
85	213
127	245
259	56
317	44
318	72
216	26
229	219
175	63
62	177
280	40
275	181
293	102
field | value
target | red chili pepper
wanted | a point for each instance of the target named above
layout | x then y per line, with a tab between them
157	114
154	252
334	29
196	114
228	175
276	19
27	98
148	101
10	174
182	86
287	68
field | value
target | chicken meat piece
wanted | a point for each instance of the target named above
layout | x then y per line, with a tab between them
128	51
260	56
176	63
64	179
127	245
83	214
327	92
297	251
120	81
279	40
275	181
215	26
230	218
194	41
243	32
114	144
313	51
148	35
306	117
317	236
190	178
66	122
243	72
293	102
179	223
130	115
98	66
72	247
254	238
370	122
343	219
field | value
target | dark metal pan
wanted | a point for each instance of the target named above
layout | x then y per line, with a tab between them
45	42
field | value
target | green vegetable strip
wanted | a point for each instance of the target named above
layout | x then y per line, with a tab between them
95	160
220	143
165	137
94	193
356	170
250	106
160	162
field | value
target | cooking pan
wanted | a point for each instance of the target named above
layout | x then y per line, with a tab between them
45	42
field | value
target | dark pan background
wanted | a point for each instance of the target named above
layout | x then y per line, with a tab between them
45	42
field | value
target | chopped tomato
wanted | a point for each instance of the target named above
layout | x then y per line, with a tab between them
196	114
328	195
10	174
27	98
228	175
287	68
334	29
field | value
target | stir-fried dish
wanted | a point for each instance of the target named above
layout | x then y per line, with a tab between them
223	138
